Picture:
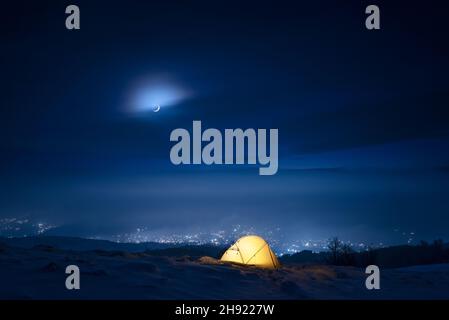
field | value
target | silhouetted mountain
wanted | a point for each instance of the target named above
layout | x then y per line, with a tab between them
81	244
195	251
389	257
305	256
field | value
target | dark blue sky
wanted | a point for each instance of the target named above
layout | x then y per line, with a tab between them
362	116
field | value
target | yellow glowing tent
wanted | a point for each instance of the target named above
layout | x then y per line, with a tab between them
251	250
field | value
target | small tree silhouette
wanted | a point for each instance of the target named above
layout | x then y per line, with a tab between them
370	256
424	243
438	244
334	246
346	255
438	250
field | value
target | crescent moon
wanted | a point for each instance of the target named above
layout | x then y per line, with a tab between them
156	108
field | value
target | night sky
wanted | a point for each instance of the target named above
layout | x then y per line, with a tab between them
363	116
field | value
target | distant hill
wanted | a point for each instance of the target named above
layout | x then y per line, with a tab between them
305	256
195	251
405	255
388	257
81	244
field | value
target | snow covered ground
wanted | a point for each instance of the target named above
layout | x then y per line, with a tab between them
39	273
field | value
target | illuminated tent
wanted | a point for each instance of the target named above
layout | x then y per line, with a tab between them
251	250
